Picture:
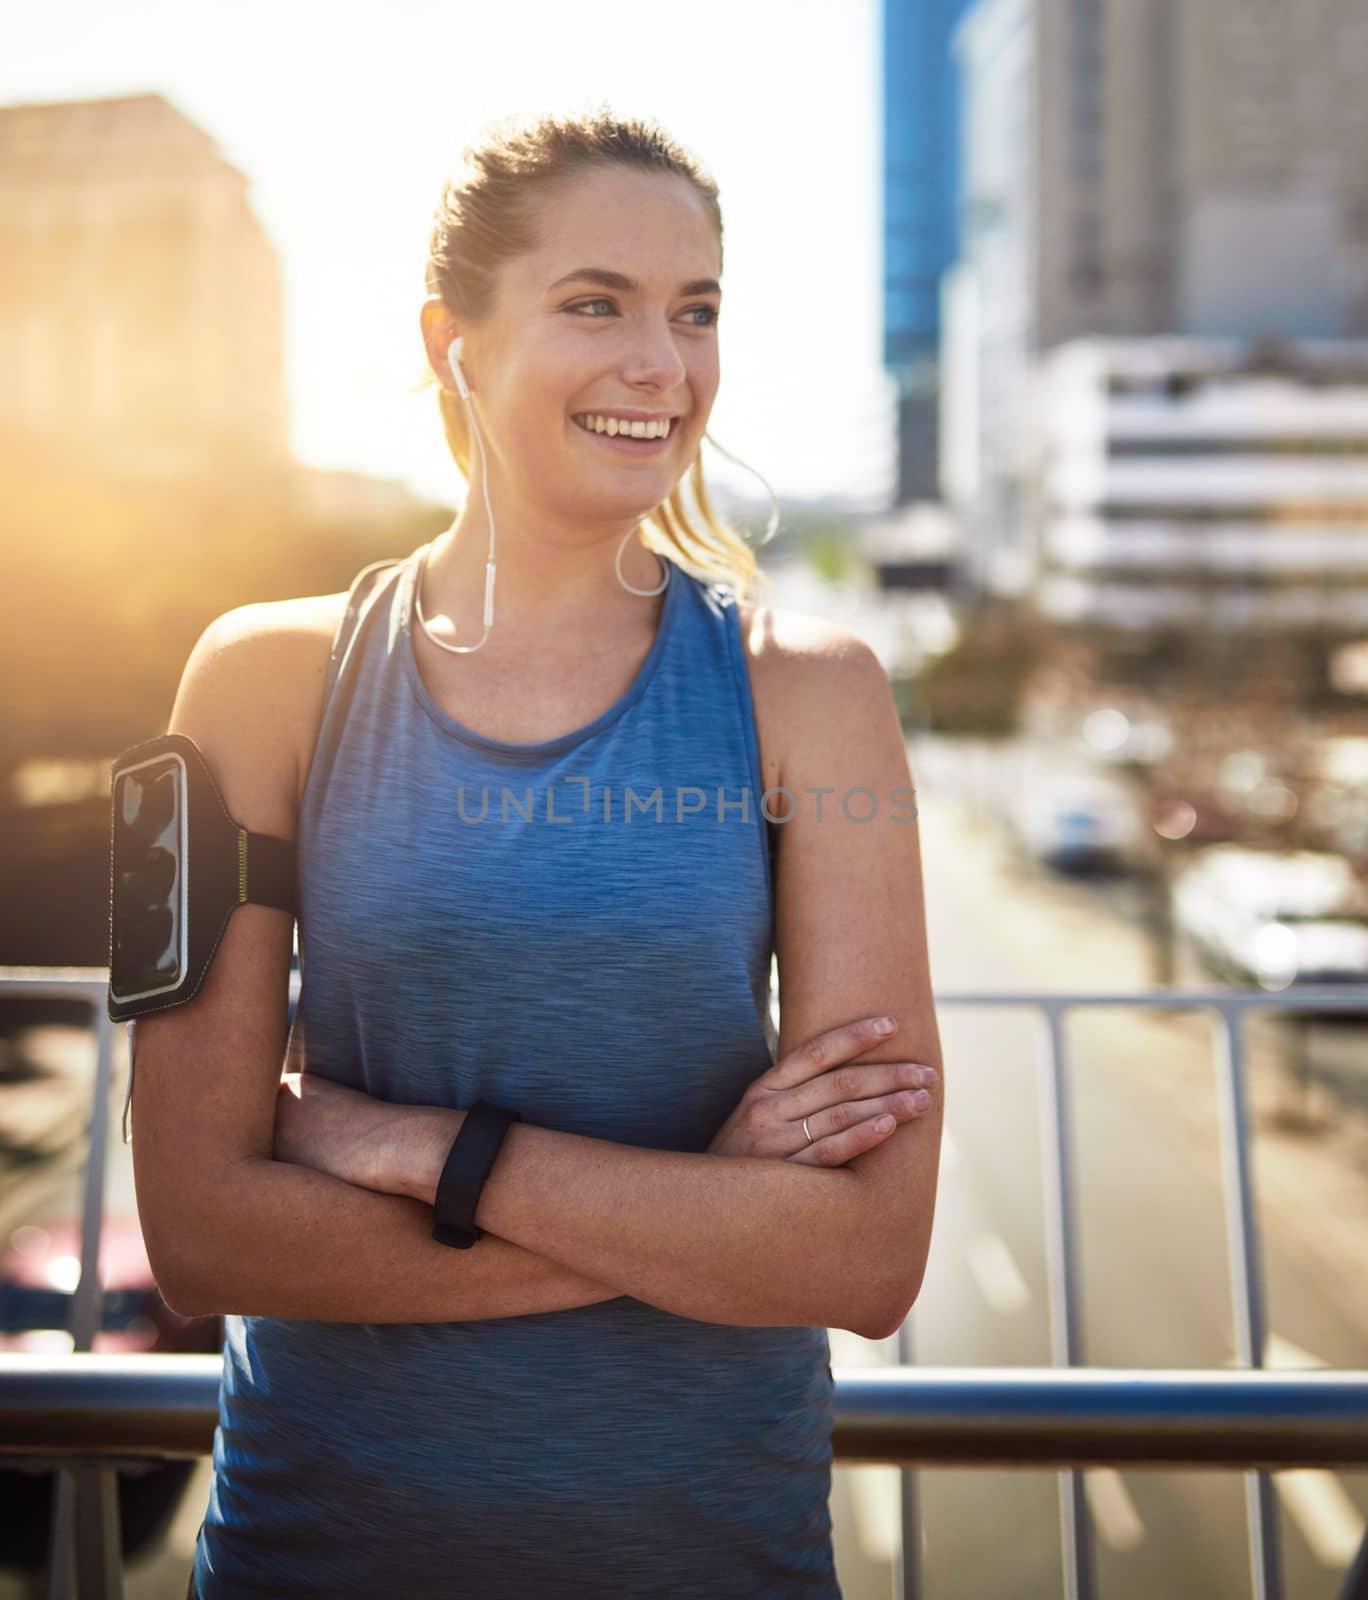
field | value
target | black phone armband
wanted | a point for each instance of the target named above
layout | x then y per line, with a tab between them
179	865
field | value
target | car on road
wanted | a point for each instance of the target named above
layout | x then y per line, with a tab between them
1273	918
1079	823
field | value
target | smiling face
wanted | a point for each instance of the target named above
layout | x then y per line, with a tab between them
611	315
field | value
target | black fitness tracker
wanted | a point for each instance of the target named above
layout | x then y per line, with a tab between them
463	1177
179	866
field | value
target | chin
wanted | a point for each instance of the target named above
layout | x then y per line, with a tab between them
629	500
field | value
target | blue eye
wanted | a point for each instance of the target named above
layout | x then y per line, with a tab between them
711	313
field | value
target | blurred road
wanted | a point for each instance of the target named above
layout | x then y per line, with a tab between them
1153	1268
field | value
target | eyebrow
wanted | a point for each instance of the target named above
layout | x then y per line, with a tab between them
615	280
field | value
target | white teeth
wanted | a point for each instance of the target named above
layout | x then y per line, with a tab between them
612	426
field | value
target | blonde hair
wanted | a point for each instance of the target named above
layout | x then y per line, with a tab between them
486	216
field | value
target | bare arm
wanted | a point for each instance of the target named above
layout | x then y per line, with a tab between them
295	1243
850	926
207	1073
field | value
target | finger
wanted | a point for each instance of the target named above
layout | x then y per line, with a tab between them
838	1148
855	1081
824	1051
904	1105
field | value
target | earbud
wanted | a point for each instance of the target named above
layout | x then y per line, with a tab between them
454	362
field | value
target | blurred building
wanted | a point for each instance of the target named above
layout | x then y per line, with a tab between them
1135	167
1201	484
990	319
920	131
911	548
140	299
142	322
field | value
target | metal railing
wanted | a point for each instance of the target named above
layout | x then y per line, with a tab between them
86	1415
1242	1238
91	1415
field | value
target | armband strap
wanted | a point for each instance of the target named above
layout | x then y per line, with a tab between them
266	871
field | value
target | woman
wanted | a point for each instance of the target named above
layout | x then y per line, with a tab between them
535	869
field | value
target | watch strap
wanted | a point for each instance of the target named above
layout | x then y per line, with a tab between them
463	1177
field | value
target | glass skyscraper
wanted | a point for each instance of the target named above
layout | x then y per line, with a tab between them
920	185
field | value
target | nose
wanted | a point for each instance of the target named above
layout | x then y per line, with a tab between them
653	360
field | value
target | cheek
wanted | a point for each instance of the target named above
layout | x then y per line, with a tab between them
536	420
535	385
705	375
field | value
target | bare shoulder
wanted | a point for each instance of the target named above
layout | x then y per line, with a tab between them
776	638
808	677
251	696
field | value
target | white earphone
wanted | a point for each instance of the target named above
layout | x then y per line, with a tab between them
454	362
463	389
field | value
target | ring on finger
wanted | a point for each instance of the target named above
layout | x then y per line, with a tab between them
805	1130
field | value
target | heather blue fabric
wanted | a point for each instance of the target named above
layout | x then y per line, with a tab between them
603	976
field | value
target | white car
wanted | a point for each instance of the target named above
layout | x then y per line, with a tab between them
1076	821
1274	918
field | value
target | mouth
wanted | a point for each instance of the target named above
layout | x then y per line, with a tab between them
630	436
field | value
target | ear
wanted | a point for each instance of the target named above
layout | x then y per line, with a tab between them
439	327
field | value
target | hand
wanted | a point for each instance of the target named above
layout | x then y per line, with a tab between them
843	1107
341	1131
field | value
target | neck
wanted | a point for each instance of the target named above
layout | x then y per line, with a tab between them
564	577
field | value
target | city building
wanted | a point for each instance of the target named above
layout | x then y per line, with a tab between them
920	227
142	319
1202	484
1140	167
990	319
141	307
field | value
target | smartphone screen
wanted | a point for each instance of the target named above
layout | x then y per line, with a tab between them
149	954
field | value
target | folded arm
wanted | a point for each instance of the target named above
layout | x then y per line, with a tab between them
303	1245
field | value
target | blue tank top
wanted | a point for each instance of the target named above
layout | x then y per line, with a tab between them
580	929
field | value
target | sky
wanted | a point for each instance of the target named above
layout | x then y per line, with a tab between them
346	118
